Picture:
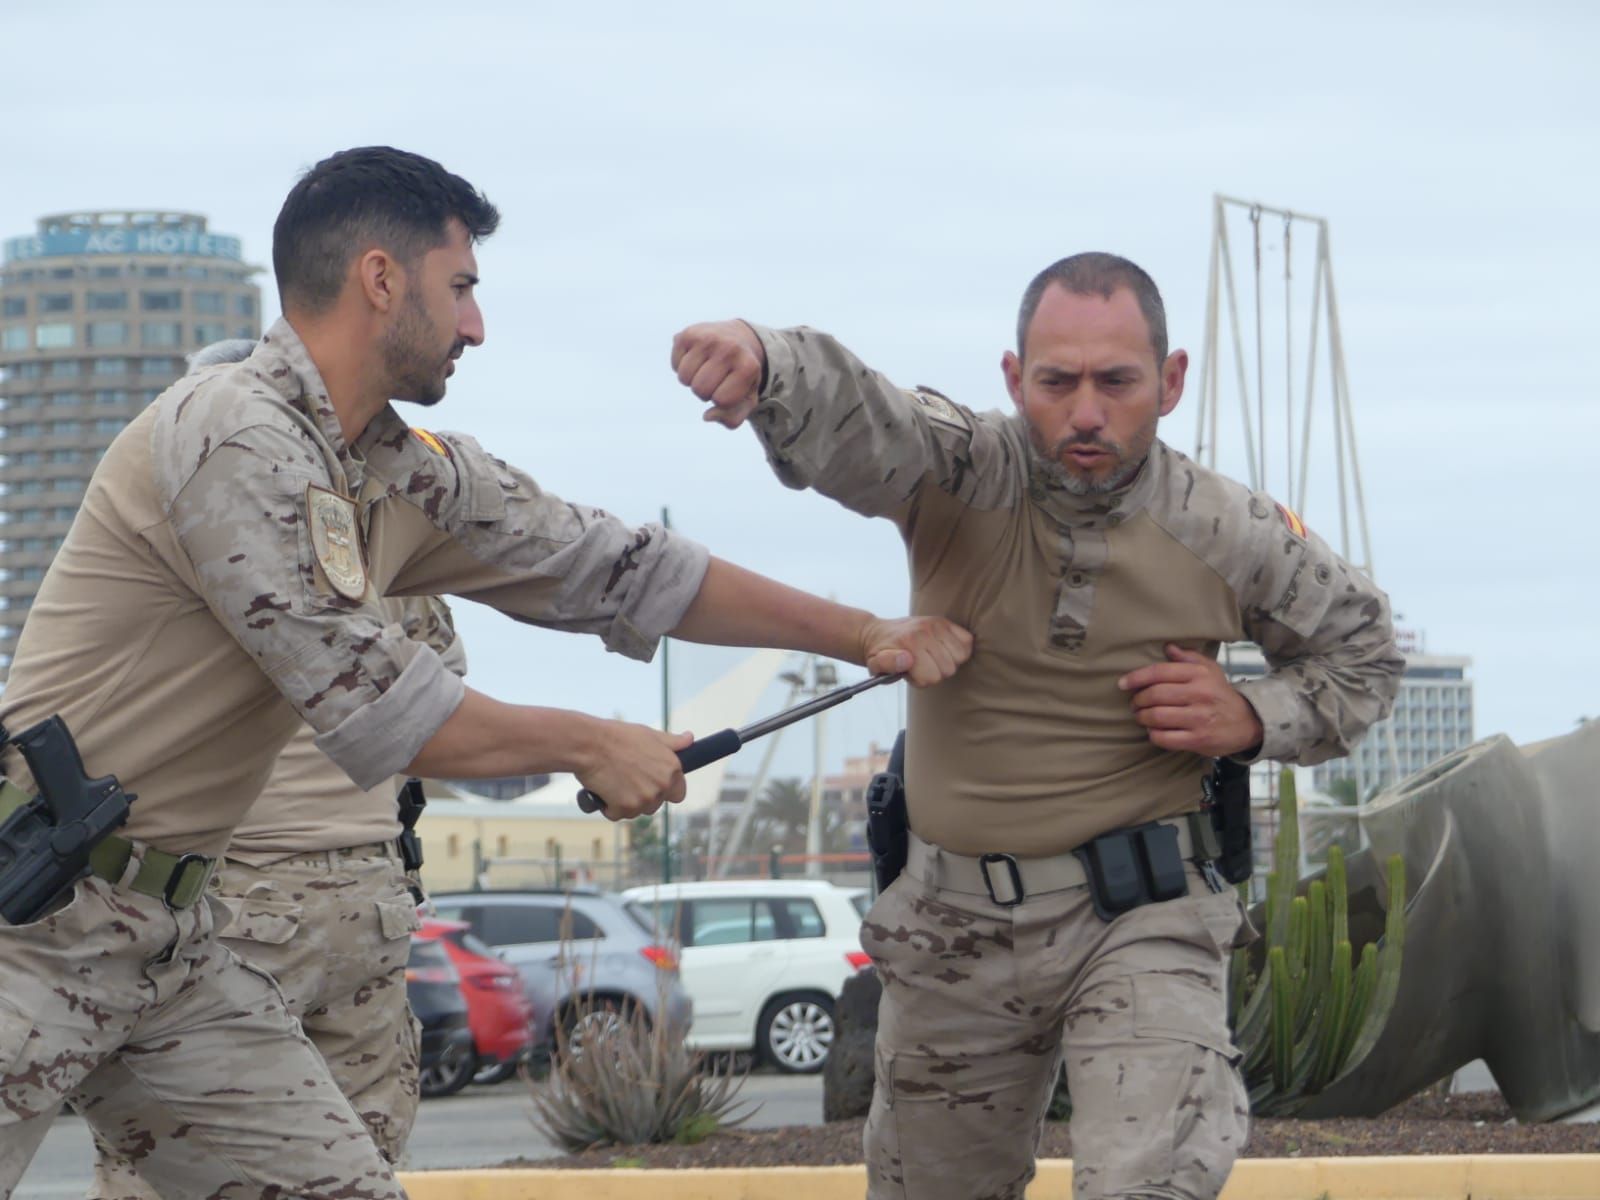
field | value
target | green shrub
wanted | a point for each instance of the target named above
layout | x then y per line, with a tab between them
615	1080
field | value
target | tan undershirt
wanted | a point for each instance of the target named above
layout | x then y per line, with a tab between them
1032	750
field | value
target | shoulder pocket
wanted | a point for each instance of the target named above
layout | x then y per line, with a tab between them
482	478
270	922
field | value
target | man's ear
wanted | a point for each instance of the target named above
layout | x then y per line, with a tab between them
1172	376
381	278
1011	367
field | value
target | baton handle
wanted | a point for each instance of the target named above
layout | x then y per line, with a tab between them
701	752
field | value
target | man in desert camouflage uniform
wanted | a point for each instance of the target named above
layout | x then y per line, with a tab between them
222	584
1099	571
318	897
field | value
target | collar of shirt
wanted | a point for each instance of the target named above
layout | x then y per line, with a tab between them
1100	509
292	373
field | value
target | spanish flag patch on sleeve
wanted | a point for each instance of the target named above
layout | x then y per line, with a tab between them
1295	524
430	441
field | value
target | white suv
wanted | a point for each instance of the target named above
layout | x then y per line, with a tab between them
763	960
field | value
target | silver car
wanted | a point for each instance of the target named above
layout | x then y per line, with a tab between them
577	952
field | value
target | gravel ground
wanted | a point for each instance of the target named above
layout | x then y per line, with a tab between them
1466	1123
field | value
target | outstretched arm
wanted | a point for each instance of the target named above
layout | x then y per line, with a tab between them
830	422
633	766
735	607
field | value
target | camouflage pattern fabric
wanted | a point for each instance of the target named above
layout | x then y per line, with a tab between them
333	929
982	1004
189	624
223	583
1032	748
175	1050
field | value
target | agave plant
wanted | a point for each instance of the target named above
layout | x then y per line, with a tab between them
617	1080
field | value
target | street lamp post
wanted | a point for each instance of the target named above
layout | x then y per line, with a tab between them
824	677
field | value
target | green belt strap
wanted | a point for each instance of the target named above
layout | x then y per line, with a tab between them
179	879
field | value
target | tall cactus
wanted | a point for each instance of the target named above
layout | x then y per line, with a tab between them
1308	1017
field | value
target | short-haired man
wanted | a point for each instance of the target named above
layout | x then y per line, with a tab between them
222	584
1099	571
319	896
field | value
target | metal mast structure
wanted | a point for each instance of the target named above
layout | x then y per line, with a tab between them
1294	471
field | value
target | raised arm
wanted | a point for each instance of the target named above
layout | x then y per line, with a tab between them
828	421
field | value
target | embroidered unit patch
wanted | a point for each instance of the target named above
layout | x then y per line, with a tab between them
336	541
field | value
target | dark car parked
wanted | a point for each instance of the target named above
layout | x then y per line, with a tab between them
434	989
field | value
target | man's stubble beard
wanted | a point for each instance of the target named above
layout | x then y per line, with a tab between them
413	376
1129	460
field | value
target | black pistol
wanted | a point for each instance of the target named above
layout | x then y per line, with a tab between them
888	829
45	843
1227	800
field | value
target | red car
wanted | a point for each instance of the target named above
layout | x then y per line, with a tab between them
498	1010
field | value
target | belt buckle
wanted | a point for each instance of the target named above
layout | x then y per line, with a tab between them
1015	872
179	873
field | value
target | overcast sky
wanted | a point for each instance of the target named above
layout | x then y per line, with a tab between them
894	173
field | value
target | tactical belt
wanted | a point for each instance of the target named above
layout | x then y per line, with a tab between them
1008	880
177	879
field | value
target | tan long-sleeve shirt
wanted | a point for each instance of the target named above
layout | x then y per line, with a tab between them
1031	748
308	802
222	584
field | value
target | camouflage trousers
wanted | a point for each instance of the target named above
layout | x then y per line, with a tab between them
140	1013
982	1004
333	929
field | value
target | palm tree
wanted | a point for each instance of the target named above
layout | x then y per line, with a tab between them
784	810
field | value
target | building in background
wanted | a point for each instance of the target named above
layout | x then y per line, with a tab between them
471	843
1432	717
507	787
846	792
781	811
97	311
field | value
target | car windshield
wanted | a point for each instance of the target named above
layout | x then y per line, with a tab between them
659	919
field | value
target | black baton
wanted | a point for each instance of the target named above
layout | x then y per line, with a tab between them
704	751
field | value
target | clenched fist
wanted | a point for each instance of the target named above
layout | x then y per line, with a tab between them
926	650
632	768
724	363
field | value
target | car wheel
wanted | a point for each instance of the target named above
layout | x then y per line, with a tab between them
452	1072
590	1019
796	1032
497	1072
